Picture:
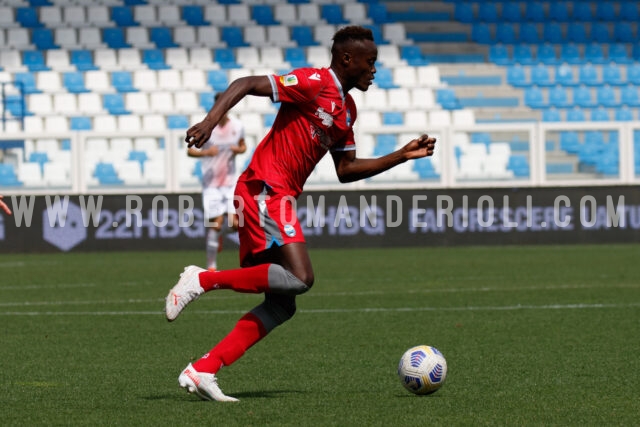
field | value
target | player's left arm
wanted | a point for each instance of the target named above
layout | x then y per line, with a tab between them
195	152
240	148
351	168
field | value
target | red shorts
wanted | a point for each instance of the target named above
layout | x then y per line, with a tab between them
266	219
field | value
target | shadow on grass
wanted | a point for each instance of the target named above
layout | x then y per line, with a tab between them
259	394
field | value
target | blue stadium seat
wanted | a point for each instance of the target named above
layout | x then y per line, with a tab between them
463	12
122	81
114	103
623	114
551	115
42	38
623	33
633	74
516	76
628	11
600	32
519	165
605	11
559	98
384	78
447	99
73	81
577	32
332	13
582	97
558	11
177	121
296	57
425	169
303	35
162	37
123	16
534	12
413	55
218	80
552	33
377	33
233	36
534	98
600	114
481	33
37	3
27	80
8	177
226	58
268	119
606	96
540	76
38	157
529	33
487	12
546	54
82	59
138	156
106	174
193	16
80	123
34	60
263	15
618	54
115	38
378	13
588	75
612	75
522	54
506	33
512	12
570	141
575	115
594	53
582	12
570	53
385	144
27	17
564	76
629	96
392	118
154	59
206	100
499	54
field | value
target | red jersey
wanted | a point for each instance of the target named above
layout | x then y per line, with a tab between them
315	116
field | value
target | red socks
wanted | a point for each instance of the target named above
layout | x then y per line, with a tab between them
248	280
247	332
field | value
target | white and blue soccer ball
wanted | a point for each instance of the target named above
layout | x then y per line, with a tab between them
422	369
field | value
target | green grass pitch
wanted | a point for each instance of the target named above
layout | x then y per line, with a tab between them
534	335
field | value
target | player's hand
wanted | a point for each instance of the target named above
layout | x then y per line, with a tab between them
4	206
199	133
422	146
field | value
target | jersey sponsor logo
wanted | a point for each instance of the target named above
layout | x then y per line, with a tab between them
289	80
321	137
314	76
289	230
327	118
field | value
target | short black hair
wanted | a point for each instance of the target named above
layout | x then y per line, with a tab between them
351	33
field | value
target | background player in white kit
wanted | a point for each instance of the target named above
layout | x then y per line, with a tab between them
219	179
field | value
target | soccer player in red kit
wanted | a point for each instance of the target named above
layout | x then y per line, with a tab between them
316	116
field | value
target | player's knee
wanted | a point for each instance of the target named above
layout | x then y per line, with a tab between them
275	310
283	281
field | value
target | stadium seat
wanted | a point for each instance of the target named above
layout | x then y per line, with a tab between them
588	75
582	97
558	11
628	11
575	115
618	54
594	53
464	12
413	55
600	32
82	59
506	33
114	38
42	38
551	115
546	53
629	96
80	123
332	14
162	37
612	75
226	58
27	17
27	81
516	76
194	16
154	59
606	96
623	33
499	54
552	33
114	103
570	53
534	98
511	12
529	32
540	76
177	121
623	114
296	57
577	32
582	12
523	54
123	16
122	81
600	114
558	97
564	76
34	60
106	174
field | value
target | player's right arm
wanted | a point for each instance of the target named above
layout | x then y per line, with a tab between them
199	133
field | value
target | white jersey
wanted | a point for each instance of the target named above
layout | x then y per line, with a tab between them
220	170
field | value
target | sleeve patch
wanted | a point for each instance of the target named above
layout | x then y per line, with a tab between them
289	80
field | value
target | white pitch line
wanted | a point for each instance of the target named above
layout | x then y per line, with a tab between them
337	310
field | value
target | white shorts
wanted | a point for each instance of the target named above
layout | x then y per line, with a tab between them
217	201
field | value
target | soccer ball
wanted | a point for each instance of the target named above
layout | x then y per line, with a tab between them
422	369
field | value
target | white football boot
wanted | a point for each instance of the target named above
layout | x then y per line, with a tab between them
203	384
186	290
